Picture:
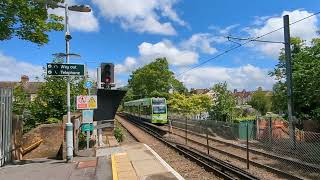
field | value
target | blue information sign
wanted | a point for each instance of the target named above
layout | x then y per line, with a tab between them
88	84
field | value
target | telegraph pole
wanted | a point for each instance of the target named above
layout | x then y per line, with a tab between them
287	42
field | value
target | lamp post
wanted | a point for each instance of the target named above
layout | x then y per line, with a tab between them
69	125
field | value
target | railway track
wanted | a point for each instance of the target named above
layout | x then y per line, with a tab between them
223	169
254	152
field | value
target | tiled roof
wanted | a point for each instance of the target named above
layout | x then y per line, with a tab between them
29	87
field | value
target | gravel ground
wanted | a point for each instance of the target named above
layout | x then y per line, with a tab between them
261	173
185	167
289	168
127	137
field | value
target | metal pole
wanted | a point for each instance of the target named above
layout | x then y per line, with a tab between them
270	132
247	146
208	141
289	77
69	125
186	131
98	78
88	139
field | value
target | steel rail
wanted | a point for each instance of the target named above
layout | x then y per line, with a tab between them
223	169
276	157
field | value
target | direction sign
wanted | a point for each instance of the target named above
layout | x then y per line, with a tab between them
88	84
54	69
87	102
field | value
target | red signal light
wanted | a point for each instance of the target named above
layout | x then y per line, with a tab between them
107	80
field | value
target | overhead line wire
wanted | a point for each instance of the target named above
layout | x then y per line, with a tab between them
248	41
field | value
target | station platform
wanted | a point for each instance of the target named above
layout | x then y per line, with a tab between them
137	161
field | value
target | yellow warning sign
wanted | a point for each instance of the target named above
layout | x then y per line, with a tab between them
92	103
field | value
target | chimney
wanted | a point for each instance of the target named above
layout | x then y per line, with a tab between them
24	79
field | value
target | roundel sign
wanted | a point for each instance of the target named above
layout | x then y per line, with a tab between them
88	84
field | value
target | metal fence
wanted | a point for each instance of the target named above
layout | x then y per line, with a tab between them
268	139
6	95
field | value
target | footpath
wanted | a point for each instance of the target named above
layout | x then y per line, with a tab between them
81	168
134	161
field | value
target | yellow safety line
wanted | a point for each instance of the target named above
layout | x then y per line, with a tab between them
114	168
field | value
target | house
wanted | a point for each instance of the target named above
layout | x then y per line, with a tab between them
31	88
199	91
242	97
208	92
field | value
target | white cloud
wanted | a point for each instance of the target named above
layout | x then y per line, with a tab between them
129	64
225	30
149	52
78	21
141	15
201	41
243	77
306	30
11	69
175	56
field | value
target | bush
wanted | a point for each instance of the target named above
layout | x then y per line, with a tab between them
52	120
247	118
118	134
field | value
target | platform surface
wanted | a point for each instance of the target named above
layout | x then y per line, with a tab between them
138	161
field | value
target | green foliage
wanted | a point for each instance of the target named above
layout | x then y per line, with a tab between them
51	100
27	20
153	80
50	104
82	140
306	75
245	111
248	118
21	101
118	134
189	105
178	103
261	101
223	108
52	120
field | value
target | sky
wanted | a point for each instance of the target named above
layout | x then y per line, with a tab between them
188	33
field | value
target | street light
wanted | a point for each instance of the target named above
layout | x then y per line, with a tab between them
69	125
60	55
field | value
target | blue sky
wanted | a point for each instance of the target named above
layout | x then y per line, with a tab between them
133	33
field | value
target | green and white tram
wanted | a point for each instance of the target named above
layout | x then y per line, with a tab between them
153	109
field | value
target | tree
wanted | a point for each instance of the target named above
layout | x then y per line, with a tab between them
51	100
154	79
179	103
27	20
305	76
200	103
223	108
189	105
261	101
21	101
